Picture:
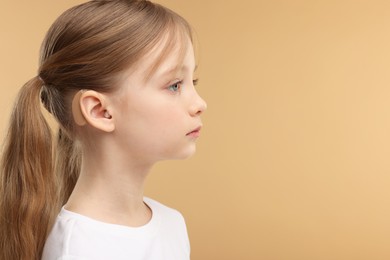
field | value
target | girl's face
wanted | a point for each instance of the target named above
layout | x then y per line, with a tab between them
159	118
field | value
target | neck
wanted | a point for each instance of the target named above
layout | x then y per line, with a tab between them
111	190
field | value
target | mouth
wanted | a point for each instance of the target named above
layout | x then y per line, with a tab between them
195	132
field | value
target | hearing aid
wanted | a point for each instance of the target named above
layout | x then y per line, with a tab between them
76	109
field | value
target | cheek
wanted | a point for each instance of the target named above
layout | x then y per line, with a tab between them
153	117
164	120
155	131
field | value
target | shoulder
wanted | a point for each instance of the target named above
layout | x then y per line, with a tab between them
74	235
56	243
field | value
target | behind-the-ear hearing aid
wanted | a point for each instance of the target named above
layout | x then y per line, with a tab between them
76	109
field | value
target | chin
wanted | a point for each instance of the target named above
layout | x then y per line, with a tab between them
184	153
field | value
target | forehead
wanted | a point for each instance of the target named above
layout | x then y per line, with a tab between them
181	59
170	54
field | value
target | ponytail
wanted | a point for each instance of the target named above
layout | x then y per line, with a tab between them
67	164
27	182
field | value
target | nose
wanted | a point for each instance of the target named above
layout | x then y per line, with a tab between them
198	105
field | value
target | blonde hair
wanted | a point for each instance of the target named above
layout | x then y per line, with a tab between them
87	47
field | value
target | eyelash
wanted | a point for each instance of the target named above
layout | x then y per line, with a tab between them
177	86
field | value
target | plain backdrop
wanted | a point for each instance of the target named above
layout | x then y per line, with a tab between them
293	161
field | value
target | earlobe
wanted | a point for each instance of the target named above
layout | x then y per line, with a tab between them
91	107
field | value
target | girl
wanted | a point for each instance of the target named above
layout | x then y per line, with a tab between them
117	75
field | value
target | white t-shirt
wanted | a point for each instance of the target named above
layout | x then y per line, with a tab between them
77	237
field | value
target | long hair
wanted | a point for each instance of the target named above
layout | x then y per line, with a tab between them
87	47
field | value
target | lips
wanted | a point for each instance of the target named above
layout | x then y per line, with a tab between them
195	132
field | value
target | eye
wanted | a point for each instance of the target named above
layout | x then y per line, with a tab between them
175	87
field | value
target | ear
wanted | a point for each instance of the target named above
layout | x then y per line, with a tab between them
91	107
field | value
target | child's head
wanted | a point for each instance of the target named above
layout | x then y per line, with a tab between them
91	49
91	45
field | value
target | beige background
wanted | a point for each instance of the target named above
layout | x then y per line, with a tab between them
294	158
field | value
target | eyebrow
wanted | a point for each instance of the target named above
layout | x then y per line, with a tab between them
176	69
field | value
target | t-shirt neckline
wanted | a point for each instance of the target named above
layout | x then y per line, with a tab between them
149	228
